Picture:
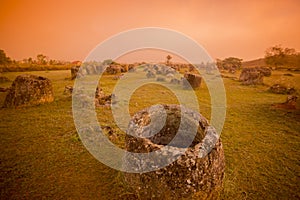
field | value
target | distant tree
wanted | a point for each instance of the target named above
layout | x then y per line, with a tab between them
219	63
30	60
278	56
41	59
25	60
168	59
3	58
52	62
230	63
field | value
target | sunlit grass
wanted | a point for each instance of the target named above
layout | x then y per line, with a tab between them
42	156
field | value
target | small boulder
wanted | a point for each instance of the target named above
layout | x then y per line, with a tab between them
251	76
114	69
161	79
281	89
175	81
265	71
290	103
193	79
255	75
68	90
102	99
91	69
150	74
74	71
288	74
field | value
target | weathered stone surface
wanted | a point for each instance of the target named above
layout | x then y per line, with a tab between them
91	69
193	79
68	90
265	71
102	99
254	76
251	76
290	103
232	70
185	84
190	175
281	89
150	74
161	79
175	81
29	90
114	69
74	71
132	67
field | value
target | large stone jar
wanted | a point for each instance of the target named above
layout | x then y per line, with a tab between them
198	173
29	90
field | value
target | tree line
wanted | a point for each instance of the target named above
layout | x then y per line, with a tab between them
275	57
40	63
40	60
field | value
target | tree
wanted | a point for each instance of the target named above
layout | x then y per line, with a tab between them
168	59
278	56
30	60
219	63
52	62
41	59
3	58
230	63
24	60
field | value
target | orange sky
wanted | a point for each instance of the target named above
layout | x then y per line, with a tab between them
70	29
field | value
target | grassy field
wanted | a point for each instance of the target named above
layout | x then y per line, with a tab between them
42	156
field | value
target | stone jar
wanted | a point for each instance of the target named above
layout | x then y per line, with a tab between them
198	173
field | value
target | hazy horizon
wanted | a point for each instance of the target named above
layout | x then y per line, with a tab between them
69	31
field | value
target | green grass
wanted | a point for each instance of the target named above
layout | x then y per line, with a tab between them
42	156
